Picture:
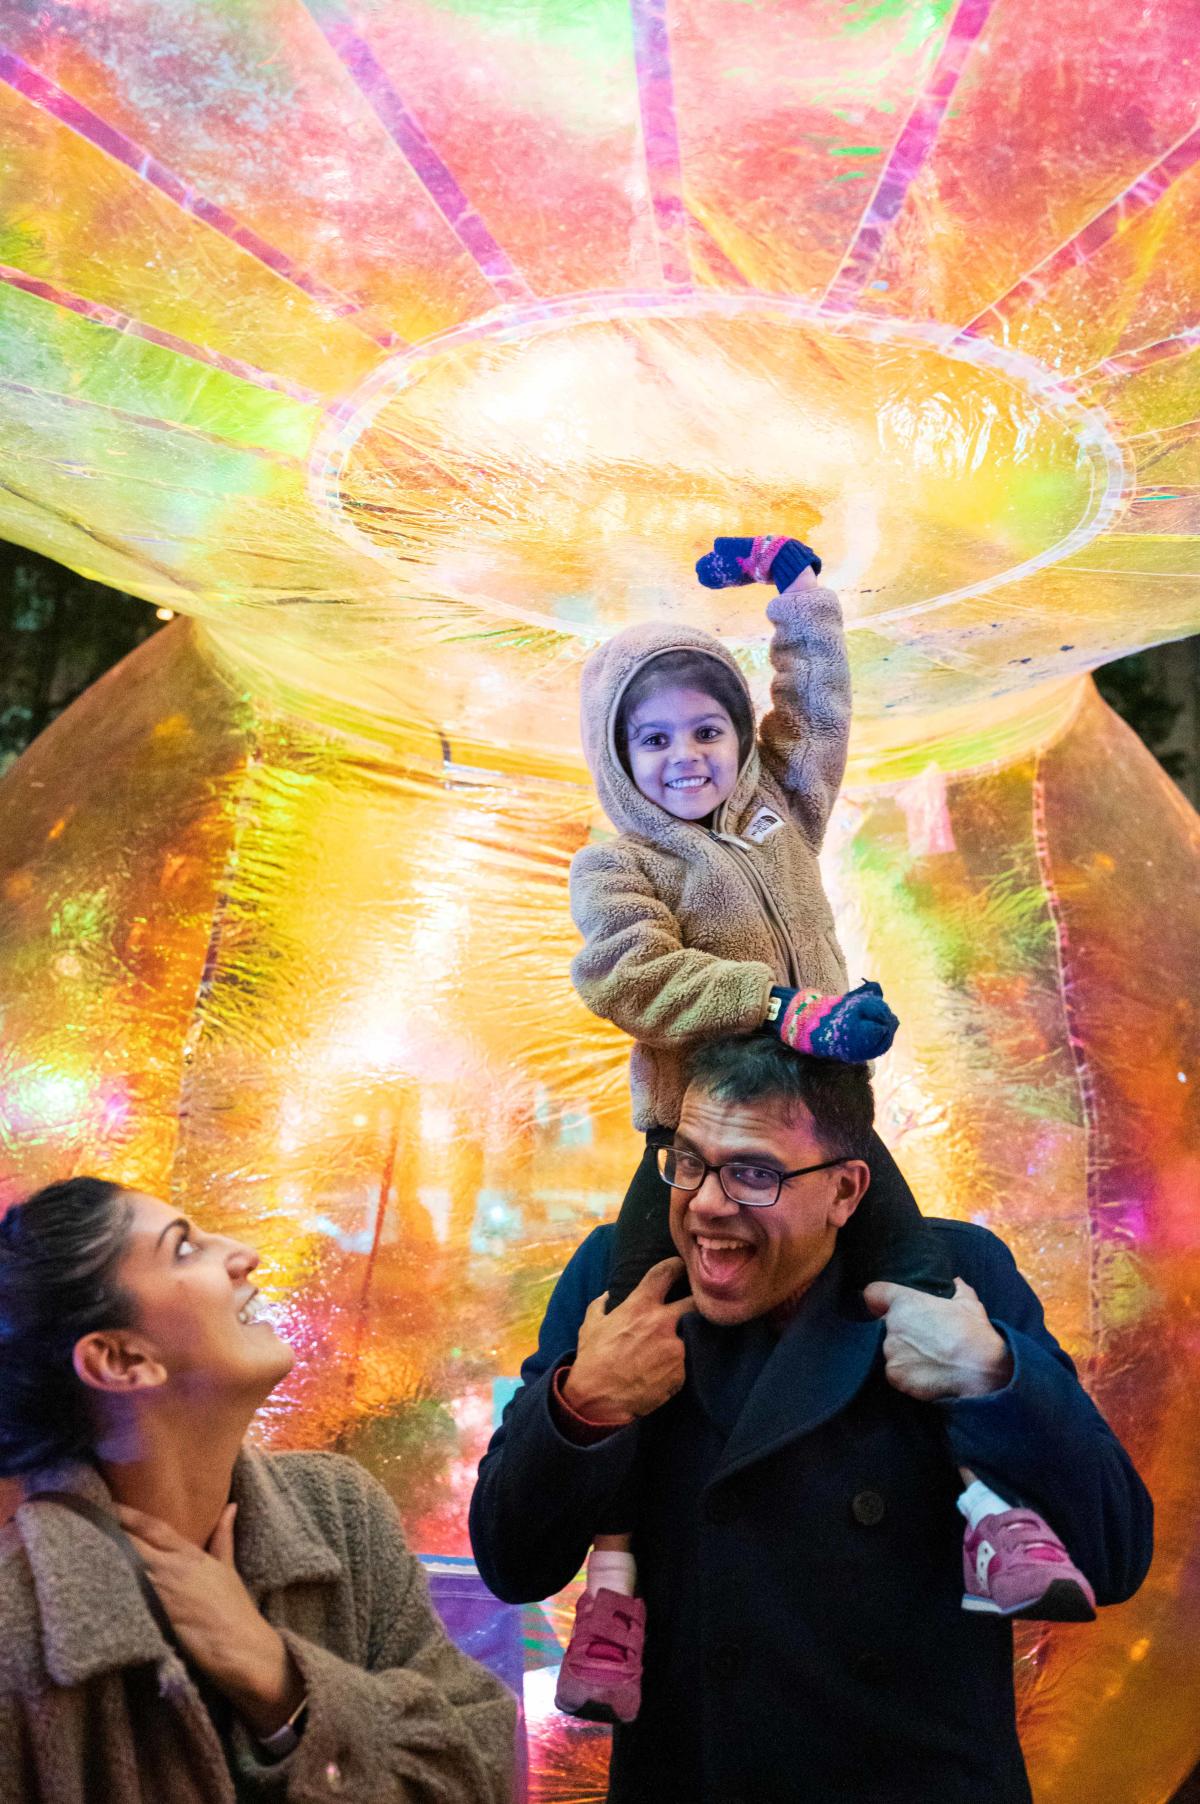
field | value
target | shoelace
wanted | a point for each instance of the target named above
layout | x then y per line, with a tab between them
1031	1540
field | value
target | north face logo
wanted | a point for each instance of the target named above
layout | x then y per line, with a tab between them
765	822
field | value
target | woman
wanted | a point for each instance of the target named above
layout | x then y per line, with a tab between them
307	1662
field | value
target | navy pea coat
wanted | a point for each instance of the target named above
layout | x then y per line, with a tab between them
799	1548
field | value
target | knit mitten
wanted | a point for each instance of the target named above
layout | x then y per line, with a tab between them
853	1028
735	561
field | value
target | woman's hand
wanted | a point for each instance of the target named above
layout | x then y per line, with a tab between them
219	1626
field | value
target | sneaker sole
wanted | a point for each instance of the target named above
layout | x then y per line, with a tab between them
589	1709
1061	1601
590	1712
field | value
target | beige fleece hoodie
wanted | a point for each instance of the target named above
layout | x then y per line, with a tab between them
686	927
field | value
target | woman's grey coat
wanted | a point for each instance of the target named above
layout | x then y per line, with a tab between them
95	1709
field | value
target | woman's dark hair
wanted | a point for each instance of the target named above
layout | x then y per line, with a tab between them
59	1252
761	1068
685	670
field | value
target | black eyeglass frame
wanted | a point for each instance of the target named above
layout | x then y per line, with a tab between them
663	1153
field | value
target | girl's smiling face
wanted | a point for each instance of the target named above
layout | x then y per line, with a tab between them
683	752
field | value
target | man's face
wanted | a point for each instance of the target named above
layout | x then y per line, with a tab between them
744	1262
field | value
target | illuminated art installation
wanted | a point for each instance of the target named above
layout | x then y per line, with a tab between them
409	346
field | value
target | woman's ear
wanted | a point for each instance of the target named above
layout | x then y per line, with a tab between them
115	1360
852	1180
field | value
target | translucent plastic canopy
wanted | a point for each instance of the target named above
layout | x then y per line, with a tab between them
362	330
411	346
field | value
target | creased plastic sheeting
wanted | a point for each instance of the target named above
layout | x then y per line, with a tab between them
412	346
1037	923
320	998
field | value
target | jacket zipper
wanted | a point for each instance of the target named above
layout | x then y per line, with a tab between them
774	920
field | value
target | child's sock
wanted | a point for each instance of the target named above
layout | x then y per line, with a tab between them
610	1571
976	1502
854	1028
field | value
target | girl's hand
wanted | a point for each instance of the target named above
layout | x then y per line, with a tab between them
217	1621
854	1028
732	562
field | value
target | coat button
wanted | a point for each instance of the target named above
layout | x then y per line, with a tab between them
867	1508
871	1668
725	1661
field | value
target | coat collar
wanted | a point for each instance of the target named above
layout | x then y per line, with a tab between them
92	1613
821	1360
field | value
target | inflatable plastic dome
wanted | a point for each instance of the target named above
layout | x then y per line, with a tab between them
406	348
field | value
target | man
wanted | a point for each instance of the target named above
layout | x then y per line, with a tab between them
797	1537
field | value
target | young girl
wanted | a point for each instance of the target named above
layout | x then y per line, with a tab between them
706	917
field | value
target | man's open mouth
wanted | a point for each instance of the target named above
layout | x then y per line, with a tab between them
721	1259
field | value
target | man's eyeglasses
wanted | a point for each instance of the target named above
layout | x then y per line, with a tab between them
754	1186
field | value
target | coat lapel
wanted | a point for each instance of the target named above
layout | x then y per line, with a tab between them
277	1544
821	1360
93	1616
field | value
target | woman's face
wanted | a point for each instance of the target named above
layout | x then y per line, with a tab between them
197	1313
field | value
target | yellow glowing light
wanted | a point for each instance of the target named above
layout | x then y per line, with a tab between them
403	465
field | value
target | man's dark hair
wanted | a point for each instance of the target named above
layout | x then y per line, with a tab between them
685	669
59	1252
762	1069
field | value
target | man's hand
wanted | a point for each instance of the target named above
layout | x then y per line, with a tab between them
939	1347
217	1621
631	1362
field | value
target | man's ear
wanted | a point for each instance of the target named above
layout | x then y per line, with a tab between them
117	1360
852	1180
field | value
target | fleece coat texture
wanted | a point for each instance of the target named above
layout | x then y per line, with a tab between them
96	1709
688	927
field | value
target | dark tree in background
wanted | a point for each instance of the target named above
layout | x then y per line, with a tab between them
1133	688
58	633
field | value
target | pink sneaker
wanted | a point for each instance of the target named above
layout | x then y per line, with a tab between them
601	1674
1015	1565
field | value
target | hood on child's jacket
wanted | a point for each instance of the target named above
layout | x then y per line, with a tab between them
685	930
607	674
